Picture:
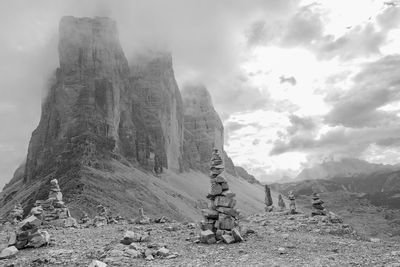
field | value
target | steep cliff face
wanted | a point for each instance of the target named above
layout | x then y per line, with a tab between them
152	78
203	129
81	113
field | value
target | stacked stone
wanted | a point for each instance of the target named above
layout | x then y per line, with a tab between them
268	199
318	208
281	203
53	210
142	219
221	219
292	205
102	218
16	214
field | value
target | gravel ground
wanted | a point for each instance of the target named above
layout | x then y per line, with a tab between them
278	240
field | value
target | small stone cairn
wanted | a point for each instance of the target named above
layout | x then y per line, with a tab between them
142	219
102	218
53	211
281	203
221	219
268	199
292	204
16	214
26	235
318	208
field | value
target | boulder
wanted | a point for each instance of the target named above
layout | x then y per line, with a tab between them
236	235
207	237
38	239
228	239
30	223
8	252
131	237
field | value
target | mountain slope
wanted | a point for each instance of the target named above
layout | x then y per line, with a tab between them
125	189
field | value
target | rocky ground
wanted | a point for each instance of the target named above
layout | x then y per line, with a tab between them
272	239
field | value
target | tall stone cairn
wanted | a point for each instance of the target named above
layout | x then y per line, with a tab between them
53	210
221	219
292	204
281	203
318	208
268	199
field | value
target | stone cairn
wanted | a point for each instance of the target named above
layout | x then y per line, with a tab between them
26	234
53	210
292	204
16	214
142	219
102	218
281	203
221	219
318	208
268	199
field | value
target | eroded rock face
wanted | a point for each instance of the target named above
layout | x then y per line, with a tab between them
203	129
81	114
98	109
153	80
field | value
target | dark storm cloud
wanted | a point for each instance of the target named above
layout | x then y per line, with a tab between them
376	85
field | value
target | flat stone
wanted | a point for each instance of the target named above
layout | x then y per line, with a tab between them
224	201
207	237
30	223
226	222
228	239
12	239
133	253
8	252
236	235
163	252
40	239
96	263
210	214
131	237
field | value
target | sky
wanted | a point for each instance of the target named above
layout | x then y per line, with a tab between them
296	82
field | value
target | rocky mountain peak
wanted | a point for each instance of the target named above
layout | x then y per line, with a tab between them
90	46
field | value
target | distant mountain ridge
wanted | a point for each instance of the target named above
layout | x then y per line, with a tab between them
347	167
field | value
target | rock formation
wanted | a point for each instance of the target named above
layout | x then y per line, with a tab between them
281	203
292	204
203	129
221	219
104	118
268	199
318	208
152	79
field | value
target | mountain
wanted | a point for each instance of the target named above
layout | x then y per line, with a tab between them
118	133
203	129
346	167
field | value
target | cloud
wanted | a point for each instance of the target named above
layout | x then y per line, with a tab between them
290	80
306	28
375	86
338	141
